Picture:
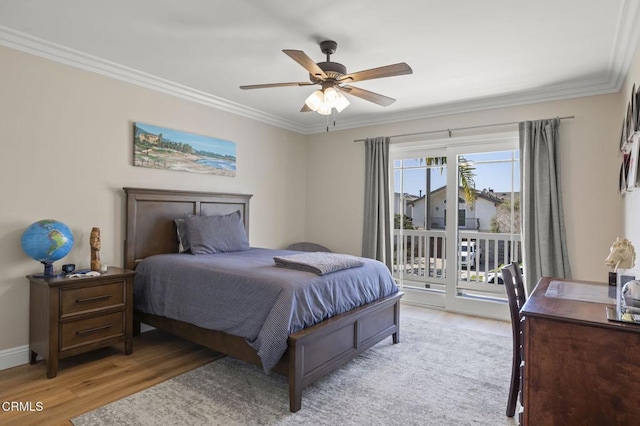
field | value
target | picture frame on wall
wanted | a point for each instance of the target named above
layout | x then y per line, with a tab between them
632	166
633	112
629	176
635	161
622	180
636	96
159	147
623	135
629	122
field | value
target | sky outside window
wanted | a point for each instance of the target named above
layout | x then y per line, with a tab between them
492	170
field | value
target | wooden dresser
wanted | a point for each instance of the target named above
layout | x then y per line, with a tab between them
69	316
579	368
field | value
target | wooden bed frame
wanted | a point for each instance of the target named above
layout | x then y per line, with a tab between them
312	352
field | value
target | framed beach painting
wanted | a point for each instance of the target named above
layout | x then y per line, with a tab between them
161	148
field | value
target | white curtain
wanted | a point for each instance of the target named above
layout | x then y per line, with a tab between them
544	241
376	237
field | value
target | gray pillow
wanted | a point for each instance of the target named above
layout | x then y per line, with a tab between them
217	234
183	235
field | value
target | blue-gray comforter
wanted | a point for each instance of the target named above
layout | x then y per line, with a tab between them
243	293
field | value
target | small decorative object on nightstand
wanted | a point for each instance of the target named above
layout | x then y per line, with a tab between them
46	241
95	243
69	316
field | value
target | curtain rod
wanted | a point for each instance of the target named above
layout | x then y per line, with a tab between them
464	128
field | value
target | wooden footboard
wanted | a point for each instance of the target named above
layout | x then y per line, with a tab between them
319	350
313	351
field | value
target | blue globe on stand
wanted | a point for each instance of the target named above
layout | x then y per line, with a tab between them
47	241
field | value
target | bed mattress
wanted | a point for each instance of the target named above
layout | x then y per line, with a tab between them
243	293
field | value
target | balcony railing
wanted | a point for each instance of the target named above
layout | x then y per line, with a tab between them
420	255
420	260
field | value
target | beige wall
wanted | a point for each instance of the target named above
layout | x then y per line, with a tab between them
631	199
589	161
66	138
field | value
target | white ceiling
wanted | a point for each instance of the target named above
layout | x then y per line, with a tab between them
465	54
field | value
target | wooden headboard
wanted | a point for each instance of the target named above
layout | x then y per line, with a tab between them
150	214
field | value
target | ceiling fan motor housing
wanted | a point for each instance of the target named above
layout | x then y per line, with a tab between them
333	70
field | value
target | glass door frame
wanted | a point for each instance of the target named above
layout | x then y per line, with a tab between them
414	294
451	148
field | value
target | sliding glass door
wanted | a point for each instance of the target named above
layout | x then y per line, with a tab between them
420	182
456	221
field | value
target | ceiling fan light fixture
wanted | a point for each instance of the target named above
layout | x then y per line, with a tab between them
324	109
315	100
323	101
330	95
341	102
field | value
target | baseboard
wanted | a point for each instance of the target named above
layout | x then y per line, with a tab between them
13	357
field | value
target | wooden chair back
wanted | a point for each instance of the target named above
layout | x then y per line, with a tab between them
514	286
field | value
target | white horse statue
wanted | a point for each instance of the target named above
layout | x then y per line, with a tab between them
622	255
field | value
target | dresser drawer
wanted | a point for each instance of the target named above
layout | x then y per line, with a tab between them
90	330
80	299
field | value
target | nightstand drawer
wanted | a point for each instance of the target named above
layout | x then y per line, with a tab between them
76	300
89	330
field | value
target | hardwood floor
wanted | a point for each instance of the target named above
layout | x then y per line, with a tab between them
91	380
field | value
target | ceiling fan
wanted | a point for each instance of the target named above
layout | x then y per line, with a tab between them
334	79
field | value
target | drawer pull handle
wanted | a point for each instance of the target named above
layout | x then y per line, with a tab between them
93	330
93	299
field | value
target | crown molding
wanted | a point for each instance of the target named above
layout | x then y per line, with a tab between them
556	93
623	49
625	42
55	52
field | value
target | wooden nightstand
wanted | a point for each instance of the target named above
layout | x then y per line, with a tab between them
69	316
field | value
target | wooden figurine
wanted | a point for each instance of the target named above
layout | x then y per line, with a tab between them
94	241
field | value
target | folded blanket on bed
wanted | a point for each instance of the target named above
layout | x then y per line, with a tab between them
318	262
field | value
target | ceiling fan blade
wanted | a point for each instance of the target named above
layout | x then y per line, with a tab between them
264	86
367	95
305	108
386	71
300	57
